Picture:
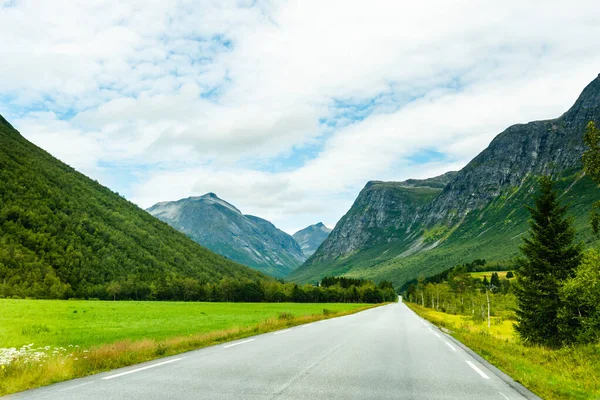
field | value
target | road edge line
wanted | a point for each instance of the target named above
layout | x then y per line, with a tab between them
528	394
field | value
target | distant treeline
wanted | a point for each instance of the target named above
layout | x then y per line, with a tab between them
331	290
478	265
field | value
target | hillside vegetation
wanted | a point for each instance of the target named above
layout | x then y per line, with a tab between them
64	235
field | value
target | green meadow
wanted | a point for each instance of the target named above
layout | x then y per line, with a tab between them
48	341
488	274
92	323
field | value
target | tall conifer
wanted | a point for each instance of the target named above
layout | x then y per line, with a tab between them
550	257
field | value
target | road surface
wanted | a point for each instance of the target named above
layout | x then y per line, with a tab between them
384	353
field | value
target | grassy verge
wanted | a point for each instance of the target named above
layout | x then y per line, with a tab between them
568	373
55	362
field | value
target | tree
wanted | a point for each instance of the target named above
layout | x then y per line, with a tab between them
550	257
114	289
591	166
460	282
510	275
495	282
581	296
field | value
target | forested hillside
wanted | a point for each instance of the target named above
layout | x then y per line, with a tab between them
64	235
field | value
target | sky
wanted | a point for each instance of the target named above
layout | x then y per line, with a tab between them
285	109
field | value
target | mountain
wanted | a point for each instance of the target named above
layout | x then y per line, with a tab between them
221	227
311	237
65	235
400	230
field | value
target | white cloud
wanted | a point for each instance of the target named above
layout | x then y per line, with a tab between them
200	92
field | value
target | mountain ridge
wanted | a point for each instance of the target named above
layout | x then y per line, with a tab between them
223	228
388	234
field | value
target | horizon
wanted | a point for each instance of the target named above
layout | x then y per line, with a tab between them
271	106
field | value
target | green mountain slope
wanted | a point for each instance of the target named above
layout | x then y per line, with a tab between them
222	228
63	234
477	213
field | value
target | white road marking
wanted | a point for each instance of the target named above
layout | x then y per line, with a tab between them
435	333
143	368
476	369
238	343
305	325
503	395
280	332
449	345
76	386
424	324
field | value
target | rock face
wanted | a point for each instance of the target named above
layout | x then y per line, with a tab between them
311	237
398	230
221	227
383	212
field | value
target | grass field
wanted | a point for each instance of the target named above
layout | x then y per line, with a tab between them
47	341
488	274
568	373
91	323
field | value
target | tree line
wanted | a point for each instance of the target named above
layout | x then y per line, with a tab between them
461	293
335	290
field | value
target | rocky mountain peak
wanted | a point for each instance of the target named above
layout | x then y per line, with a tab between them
311	237
212	199
220	226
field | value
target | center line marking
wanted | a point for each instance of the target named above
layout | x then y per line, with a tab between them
278	332
449	345
503	395
143	368
238	343
476	369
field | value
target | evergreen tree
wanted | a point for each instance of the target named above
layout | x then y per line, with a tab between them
495	282
550	257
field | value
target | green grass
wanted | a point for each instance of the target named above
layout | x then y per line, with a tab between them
91	323
488	274
103	335
568	373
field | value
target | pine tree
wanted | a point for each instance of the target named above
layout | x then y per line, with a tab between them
495	282
550	257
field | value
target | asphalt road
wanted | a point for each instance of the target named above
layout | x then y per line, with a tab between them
383	353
